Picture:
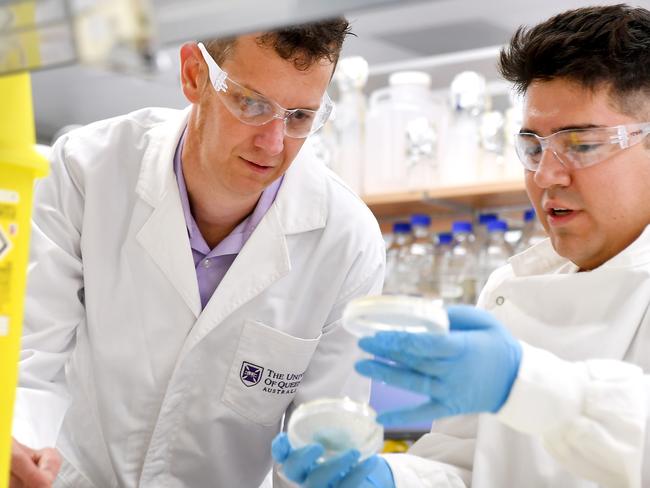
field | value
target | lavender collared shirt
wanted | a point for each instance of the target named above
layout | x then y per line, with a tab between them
213	264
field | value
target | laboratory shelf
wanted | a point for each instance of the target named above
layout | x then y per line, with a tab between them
468	198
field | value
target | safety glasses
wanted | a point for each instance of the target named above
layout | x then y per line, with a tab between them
579	148
253	108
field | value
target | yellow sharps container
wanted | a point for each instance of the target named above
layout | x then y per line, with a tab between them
20	164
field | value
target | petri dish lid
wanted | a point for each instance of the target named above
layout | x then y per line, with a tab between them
366	316
338	424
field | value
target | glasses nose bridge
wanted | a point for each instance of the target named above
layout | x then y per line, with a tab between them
547	143
282	114
278	116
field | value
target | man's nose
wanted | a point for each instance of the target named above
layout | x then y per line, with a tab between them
270	137
551	171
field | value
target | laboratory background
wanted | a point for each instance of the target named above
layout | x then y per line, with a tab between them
422	128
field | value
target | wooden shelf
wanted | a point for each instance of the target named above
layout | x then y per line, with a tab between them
452	199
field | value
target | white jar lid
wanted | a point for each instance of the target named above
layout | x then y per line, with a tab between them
366	316
410	78
338	424
351	72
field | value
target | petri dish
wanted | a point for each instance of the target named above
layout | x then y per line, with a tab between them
365	316
338	424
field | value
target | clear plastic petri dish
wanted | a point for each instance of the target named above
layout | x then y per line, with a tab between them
338	424
365	316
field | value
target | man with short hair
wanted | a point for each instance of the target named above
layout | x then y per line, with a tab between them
189	271
572	395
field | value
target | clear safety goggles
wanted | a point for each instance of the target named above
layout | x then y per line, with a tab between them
579	148
253	108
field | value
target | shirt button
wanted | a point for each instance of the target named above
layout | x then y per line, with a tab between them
500	300
207	263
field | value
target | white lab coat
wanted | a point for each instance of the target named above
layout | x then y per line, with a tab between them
582	417
156	392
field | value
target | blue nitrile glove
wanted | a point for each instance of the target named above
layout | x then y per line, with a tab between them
469	370
342	471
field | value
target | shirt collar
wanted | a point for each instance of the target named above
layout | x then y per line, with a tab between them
234	242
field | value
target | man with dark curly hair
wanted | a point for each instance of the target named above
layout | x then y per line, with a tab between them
567	403
188	275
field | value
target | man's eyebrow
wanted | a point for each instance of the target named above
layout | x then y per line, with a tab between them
566	127
257	92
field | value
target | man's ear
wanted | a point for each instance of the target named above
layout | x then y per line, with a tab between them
194	72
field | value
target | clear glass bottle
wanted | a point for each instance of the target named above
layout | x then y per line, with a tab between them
493	146
399	279
468	100
532	233
462	265
402	132
349	123
495	252
445	284
514	120
444	244
481	232
421	254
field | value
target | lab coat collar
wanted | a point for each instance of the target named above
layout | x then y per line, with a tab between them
636	254
542	258
302	199
156	178
164	234
300	206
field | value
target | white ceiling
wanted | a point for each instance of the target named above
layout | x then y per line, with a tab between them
405	35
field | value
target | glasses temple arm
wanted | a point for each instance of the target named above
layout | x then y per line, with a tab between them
217	75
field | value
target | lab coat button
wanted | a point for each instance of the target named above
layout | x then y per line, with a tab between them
500	300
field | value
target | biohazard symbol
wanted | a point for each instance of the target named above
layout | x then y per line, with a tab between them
5	244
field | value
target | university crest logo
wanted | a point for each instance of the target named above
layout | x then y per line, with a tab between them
250	374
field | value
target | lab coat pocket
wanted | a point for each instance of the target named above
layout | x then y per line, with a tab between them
266	372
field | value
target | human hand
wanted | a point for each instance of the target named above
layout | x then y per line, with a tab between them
469	370
342	471
31	468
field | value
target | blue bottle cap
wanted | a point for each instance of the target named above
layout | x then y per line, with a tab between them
497	226
402	228
461	226
529	215
421	219
484	218
445	238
